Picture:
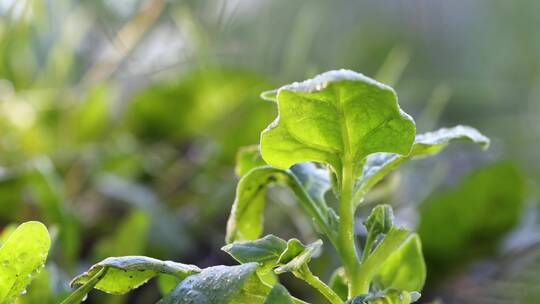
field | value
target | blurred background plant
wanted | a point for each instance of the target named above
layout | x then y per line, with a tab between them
120	121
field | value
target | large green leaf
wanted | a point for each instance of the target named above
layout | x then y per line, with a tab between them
220	285
265	251
297	255
337	118
308	182
470	218
22	256
129	272
378	165
405	268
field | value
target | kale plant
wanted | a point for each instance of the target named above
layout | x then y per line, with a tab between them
338	134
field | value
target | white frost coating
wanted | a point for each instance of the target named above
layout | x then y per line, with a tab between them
321	81
137	263
444	135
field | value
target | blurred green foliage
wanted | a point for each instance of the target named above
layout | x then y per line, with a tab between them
468	220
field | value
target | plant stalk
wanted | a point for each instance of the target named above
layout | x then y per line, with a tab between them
347	244
306	275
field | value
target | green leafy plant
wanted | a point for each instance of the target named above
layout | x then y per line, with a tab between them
338	134
23	252
354	127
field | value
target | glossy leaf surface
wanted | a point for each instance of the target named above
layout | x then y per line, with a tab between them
129	272
22	256
220	285
338	116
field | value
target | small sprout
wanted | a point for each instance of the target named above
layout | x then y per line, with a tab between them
381	220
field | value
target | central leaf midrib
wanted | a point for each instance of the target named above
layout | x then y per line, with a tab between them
345	129
310	144
346	155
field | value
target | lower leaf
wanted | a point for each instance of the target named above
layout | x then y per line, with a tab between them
305	180
129	272
22	256
220	285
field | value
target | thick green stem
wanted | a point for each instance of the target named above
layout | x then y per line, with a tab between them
306	275
347	245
